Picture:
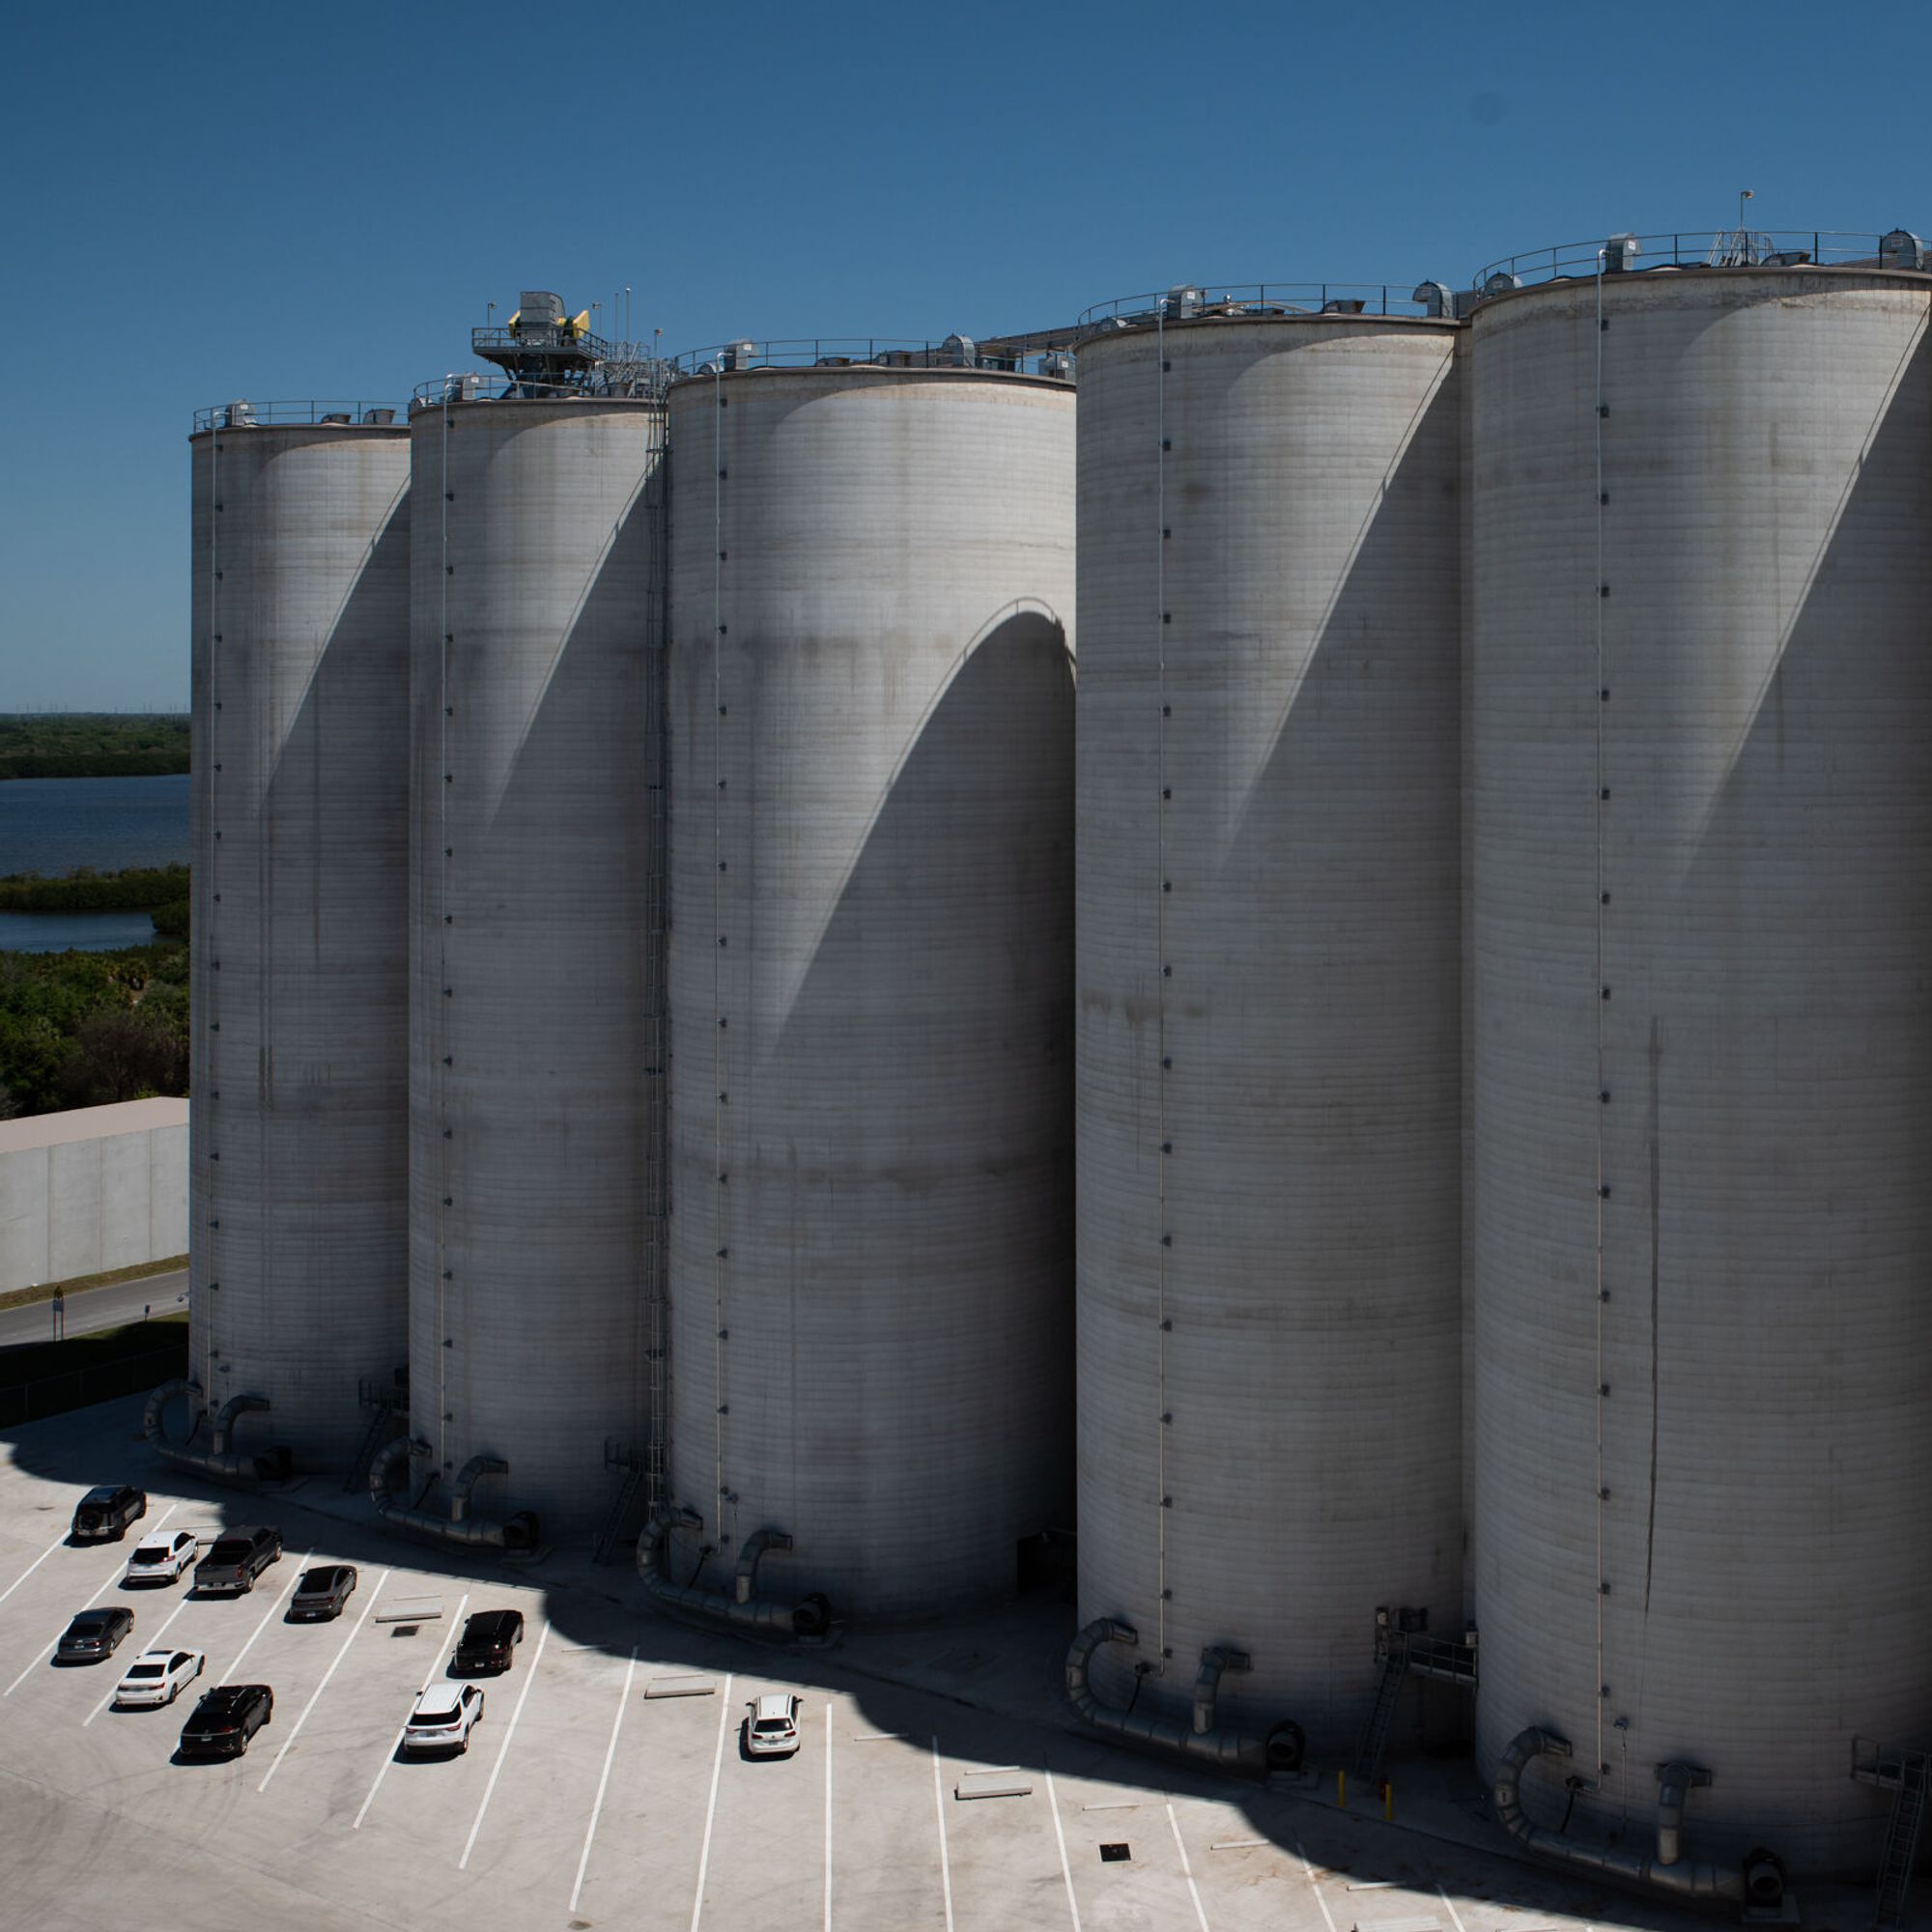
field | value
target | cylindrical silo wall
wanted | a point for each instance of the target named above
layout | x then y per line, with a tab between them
537	624
298	1283
1702	843
1267	976
871	706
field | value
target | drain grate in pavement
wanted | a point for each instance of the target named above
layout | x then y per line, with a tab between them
1112	1855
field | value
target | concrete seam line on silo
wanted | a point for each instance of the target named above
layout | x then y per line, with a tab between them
1235	1750
1663	1872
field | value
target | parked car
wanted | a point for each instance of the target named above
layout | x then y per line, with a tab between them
226	1718
102	1515
162	1559
239	1556
94	1634
444	1716
771	1729
322	1593
489	1641
158	1677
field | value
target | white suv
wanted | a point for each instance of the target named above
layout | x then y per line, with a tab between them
162	1559
444	1718
771	1729
157	1677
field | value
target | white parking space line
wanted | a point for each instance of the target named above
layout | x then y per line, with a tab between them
32	1567
396	1742
1060	1838
46	1651
1187	1871
503	1749
1314	1885
711	1803
611	1751
228	1675
152	1643
828	1818
1454	1917
324	1684
945	1862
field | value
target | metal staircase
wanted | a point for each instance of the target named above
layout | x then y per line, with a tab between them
1906	1775
385	1405
623	1505
1369	1753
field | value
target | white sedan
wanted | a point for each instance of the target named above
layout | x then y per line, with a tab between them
162	1558
158	1677
444	1718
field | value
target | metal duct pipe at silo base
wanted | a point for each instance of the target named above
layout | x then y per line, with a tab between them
810	1616
518	1532
1233	1750
1665	1871
218	1459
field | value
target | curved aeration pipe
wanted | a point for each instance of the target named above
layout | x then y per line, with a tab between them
219	1459
458	1526
1666	1871
743	1604
1233	1750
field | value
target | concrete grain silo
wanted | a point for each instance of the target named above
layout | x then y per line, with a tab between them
534	1053
1703	1055
1267	1107
871	752
300	671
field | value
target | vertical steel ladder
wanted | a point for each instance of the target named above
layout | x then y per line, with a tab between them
613	1529
1374	1746
1901	1838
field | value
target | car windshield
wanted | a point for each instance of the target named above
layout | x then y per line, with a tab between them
774	1724
150	1556
147	1670
315	1582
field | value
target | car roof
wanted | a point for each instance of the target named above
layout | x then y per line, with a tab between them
164	1654
106	1614
440	1697
233	1693
489	1620
323	1577
775	1704
105	1495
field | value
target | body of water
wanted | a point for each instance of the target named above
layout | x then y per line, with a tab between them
73	931
52	825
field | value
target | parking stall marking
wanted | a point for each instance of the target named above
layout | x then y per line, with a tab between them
33	1566
1315	1886
396	1742
945	1862
611	1751
711	1803
316	1695
228	1675
828	1818
153	1644
1454	1917
1187	1871
503	1752
1059	1837
107	1582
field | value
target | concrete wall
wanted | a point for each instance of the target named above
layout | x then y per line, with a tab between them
97	1188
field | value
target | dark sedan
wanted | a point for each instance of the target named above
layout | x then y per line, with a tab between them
94	1634
226	1718
322	1593
489	1641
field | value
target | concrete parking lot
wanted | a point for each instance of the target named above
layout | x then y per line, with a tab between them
585	1800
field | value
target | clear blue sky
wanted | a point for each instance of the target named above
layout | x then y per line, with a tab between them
218	200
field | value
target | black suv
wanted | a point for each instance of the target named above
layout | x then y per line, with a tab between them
489	1641
238	1558
226	1718
103	1516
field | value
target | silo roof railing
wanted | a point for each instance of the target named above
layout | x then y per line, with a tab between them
1705	249
1011	356
624	382
241	414
1190	301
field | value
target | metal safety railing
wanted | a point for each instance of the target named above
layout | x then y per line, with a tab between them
1708	248
538	338
839	351
624	383
241	414
1190	301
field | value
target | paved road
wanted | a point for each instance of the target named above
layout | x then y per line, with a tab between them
98	1308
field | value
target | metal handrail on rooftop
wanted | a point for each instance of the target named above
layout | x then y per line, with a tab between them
1190	301
1710	248
493	386
244	415
834	351
537	339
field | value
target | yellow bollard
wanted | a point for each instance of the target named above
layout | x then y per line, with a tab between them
1342	1789
1388	1801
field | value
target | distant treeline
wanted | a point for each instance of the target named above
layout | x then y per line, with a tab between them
92	745
84	890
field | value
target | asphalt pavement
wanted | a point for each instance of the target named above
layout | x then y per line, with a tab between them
94	1308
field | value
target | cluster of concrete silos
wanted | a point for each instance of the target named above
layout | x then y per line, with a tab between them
1452	977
